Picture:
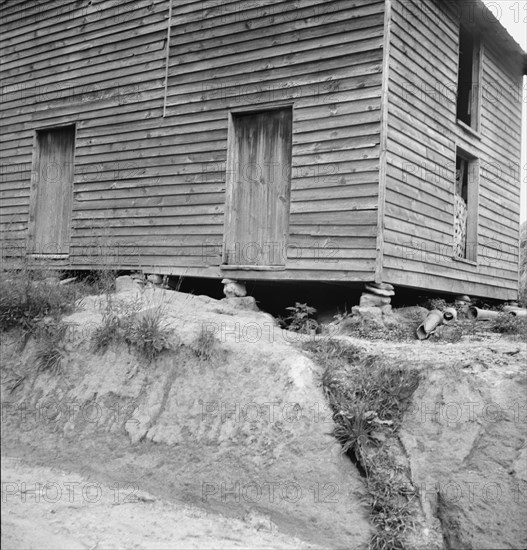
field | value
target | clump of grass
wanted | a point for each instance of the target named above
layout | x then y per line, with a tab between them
204	346
509	324
123	322
327	349
107	333
102	281
371	395
27	297
435	303
390	501
368	397
361	328
148	335
50	351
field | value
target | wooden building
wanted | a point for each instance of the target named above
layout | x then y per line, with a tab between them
309	140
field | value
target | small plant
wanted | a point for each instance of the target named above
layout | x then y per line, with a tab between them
50	351
340	317
300	319
390	501
394	333
204	346
332	349
27	296
106	334
147	334
124	322
368	398
117	317
509	324
435	303
102	281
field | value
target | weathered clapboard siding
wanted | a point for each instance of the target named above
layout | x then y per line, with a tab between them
421	149
66	64
325	58
156	185
372	84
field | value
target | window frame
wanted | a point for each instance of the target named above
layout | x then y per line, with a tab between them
475	92
473	186
34	192
230	179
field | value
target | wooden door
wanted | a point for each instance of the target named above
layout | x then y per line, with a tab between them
258	188
52	191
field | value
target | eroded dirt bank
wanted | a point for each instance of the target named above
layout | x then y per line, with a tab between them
243	433
247	432
74	513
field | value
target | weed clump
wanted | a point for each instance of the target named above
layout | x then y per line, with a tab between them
26	298
124	322
148	335
509	324
368	397
50	350
332	349
204	347
393	333
300	319
107	333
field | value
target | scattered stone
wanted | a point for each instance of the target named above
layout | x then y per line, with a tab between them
371	316
155	279
233	289
386	310
379	291
382	286
124	283
370	300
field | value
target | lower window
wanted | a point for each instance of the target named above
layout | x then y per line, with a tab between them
466	207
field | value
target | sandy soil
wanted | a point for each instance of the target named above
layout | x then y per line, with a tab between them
245	433
201	437
46	508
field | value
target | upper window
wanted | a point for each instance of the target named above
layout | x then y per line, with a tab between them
468	85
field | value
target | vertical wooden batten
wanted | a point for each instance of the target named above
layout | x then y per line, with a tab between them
167	56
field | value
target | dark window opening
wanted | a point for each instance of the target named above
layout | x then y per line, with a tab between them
466	208
468	76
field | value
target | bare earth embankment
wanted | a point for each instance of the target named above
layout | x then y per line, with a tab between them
242	429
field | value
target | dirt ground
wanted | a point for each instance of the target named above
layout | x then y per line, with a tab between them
246	433
238	449
49	509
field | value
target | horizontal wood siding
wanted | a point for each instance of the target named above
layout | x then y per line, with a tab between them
149	191
422	139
